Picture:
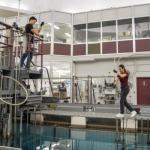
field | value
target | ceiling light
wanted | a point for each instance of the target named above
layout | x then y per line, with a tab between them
69	25
68	34
54	26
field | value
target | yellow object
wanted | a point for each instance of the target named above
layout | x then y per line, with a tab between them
53	106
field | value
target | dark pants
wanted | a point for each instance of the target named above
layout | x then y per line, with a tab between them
24	56
123	100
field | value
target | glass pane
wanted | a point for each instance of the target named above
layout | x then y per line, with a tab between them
109	30
62	33
46	31
79	34
125	29
46	67
142	26
61	69
94	32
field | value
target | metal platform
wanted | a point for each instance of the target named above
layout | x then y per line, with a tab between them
6	68
30	74
69	109
34	99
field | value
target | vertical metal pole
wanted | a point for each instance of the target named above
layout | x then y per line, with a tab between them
76	92
133	30
52	32
148	131
29	52
126	128
116	129
88	91
123	130
135	131
117	30
21	122
15	119
27	123
142	131
86	38
91	88
40	123
101	50
35	125
72	89
41	63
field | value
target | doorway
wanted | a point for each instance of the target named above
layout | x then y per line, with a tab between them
143	91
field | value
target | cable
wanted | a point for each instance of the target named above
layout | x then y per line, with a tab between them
22	87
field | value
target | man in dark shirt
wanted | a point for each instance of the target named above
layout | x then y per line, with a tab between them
29	29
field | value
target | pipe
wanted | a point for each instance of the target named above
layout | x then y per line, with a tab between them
22	87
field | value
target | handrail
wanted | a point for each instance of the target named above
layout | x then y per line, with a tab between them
47	74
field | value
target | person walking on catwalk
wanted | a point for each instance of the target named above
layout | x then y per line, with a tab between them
123	77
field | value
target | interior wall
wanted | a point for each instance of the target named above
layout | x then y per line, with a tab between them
1	19
103	67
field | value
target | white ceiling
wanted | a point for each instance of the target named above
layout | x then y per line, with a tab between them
71	6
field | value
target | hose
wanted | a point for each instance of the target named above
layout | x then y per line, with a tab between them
21	86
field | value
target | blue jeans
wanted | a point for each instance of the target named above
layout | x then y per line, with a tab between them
24	56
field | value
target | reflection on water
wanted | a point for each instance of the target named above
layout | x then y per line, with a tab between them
57	138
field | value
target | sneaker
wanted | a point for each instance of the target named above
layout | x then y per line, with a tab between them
133	113
23	68
119	115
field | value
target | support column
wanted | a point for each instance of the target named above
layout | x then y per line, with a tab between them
130	124
78	122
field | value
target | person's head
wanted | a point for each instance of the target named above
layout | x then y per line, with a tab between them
122	69
32	20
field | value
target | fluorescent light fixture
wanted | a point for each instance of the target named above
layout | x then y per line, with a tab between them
54	26
63	74
68	34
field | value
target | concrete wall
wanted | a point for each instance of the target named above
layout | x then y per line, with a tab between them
102	67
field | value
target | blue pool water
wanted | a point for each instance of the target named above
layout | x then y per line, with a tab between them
58	138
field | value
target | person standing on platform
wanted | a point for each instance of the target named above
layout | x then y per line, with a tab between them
30	30
123	77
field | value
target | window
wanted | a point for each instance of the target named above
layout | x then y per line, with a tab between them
46	31
109	30
62	33
61	69
94	32
142	27
79	34
125	29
